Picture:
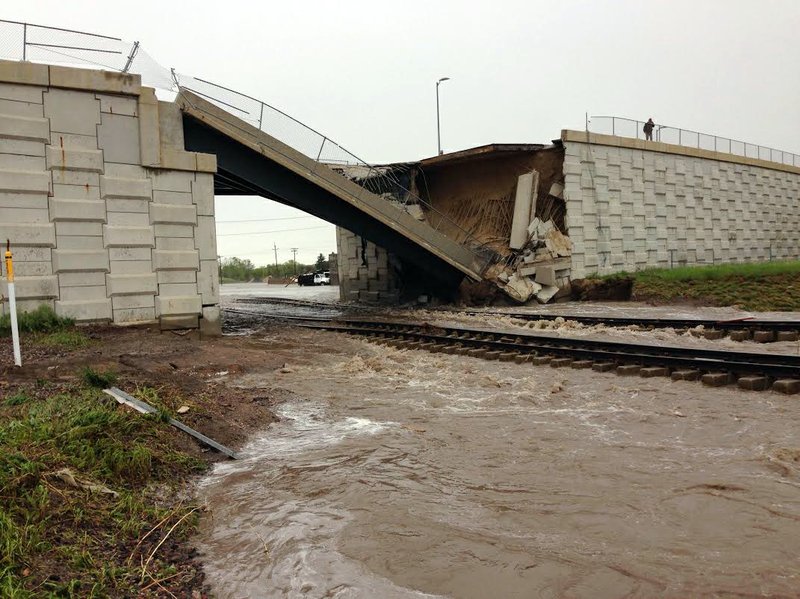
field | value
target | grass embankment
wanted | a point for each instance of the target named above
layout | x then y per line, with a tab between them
753	286
88	489
46	328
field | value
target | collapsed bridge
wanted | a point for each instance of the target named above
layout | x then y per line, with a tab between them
107	195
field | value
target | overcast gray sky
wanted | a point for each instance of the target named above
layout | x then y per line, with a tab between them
363	73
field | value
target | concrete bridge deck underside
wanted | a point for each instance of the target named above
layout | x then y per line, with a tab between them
250	161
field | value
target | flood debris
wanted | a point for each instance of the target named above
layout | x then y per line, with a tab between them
69	477
145	408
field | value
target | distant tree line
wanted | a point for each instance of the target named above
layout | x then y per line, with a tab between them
243	269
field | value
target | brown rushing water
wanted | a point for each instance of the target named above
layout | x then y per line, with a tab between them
407	474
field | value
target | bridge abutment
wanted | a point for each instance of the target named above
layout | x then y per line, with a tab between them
109	218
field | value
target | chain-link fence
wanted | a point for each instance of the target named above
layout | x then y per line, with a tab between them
378	180
623	127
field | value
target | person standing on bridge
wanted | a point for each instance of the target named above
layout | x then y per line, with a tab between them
648	129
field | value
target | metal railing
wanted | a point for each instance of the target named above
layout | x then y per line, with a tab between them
624	127
325	152
53	45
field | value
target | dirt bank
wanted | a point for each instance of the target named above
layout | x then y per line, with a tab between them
92	491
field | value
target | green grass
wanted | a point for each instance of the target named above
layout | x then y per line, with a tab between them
60	540
763	286
99	380
40	320
67	338
748	270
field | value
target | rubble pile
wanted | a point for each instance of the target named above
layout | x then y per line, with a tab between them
540	267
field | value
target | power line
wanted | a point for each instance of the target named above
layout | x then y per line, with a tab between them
275	231
261	220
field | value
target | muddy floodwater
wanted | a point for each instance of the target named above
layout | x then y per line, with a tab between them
397	473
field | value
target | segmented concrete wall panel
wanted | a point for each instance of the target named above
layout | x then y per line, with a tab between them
96	233
630	208
364	273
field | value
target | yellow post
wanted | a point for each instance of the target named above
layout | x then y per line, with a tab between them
9	267
12	304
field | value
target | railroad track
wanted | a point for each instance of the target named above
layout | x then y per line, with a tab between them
750	371
740	329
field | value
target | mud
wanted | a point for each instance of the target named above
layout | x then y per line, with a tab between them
396	473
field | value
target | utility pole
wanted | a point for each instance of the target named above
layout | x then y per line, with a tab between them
275	247
438	130
294	259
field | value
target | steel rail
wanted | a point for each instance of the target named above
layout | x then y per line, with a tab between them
656	323
777	366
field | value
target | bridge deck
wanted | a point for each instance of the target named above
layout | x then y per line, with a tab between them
377	215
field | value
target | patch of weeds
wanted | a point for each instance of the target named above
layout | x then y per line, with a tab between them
165	406
77	480
16	400
41	320
98	380
67	338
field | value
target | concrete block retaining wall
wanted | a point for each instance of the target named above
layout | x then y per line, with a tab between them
109	218
376	282
633	204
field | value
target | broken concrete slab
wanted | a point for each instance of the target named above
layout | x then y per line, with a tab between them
527	271
521	288
558	243
546	293
522	210
533	228
546	276
557	190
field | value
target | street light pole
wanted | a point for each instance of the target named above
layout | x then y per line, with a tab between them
438	128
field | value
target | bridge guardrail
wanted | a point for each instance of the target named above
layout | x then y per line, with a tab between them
625	127
38	43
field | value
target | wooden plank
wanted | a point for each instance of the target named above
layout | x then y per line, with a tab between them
145	408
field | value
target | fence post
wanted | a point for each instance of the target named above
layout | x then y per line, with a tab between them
131	56
680	137
613	126
24	41
322	145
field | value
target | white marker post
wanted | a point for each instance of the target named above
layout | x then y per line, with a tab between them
12	304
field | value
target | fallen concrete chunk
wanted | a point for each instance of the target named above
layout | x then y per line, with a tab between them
557	190
416	211
520	288
527	271
546	276
546	293
545	228
522	211
533	228
558	243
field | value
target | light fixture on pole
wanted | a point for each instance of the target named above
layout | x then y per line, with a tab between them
438	129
